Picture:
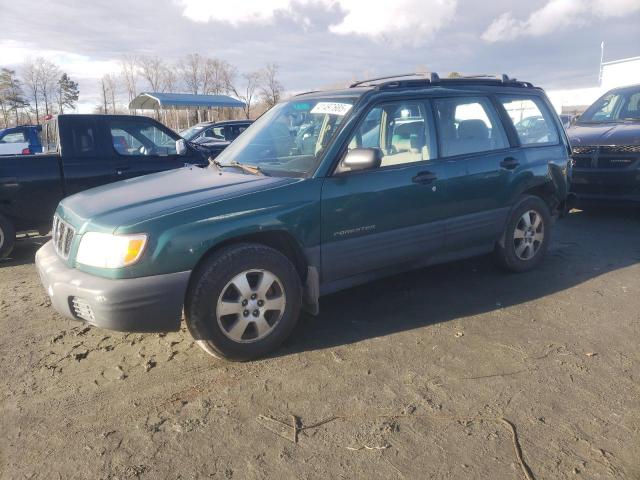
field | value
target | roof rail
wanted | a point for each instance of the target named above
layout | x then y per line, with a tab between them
421	79
431	77
500	77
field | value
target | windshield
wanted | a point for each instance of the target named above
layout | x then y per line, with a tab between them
191	132
614	107
291	138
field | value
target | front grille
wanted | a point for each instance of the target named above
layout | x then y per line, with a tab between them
605	156
583	150
620	149
62	236
81	309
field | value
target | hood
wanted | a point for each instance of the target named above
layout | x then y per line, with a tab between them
143	198
600	134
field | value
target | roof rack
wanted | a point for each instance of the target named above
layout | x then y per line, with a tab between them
421	79
431	77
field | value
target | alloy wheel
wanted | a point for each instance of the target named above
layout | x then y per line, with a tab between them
250	306
528	235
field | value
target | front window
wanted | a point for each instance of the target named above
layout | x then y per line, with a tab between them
402	131
141	139
192	132
291	138
614	107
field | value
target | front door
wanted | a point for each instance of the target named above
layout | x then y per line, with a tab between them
140	147
392	215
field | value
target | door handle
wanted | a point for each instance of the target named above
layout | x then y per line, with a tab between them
509	163
424	178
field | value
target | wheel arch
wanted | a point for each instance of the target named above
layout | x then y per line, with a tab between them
279	240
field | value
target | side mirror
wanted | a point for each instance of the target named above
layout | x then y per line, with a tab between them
181	147
361	159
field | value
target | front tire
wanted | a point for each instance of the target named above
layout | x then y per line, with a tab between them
526	236
243	302
7	237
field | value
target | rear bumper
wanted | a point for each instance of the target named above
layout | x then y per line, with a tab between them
146	304
606	185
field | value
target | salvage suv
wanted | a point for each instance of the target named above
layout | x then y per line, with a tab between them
325	191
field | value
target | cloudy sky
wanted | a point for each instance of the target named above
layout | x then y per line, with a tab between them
316	43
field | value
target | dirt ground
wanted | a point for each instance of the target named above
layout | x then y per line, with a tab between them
405	378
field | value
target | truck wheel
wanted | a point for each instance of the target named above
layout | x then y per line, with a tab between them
243	302
7	237
526	236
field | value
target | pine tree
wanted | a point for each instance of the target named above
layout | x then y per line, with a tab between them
68	92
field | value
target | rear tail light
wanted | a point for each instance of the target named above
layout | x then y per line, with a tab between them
26	151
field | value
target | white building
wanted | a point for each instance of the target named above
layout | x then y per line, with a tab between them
617	73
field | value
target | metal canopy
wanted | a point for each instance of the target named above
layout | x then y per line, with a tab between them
182	101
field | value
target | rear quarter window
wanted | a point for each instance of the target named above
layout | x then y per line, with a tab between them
532	121
13	137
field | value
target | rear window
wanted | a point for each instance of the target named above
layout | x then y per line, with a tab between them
531	120
468	125
13	137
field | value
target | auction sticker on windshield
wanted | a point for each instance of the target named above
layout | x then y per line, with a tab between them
332	108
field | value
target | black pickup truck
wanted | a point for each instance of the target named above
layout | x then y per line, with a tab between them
80	152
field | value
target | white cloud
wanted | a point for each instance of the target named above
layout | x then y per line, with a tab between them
557	15
14	54
400	21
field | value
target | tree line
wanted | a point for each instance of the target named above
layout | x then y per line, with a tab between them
196	74
40	89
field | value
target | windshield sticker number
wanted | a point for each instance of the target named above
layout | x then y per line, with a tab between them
332	108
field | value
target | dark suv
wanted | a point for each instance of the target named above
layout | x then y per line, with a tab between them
606	149
389	175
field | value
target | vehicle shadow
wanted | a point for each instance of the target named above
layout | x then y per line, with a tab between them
24	251
584	246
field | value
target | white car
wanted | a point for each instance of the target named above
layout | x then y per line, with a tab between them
14	144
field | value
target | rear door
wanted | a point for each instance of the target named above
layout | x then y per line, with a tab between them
471	133
139	146
85	160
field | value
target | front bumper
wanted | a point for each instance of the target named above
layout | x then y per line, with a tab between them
146	304
594	185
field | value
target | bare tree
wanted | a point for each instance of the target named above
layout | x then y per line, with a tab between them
130	75
151	70
169	80
31	78
108	92
245	90
48	76
270	89
193	73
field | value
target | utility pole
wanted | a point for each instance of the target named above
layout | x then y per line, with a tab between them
601	60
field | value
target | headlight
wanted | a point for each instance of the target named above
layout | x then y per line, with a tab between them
105	250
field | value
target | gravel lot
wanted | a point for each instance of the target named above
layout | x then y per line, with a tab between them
409	377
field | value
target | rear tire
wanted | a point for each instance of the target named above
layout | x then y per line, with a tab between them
243	302
526	236
7	237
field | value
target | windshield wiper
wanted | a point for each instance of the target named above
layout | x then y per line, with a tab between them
254	170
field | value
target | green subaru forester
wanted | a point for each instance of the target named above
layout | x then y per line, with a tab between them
325	191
